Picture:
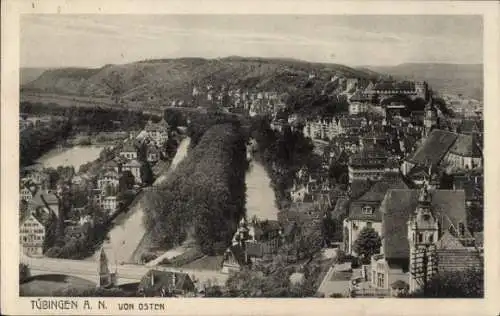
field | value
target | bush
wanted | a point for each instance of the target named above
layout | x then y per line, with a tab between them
336	295
463	284
148	256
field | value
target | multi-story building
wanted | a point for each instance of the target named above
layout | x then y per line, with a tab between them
26	194
351	125
459	151
32	235
364	211
109	203
325	128
424	231
128	151
390	88
359	103
370	164
134	167
153	153
157	132
108	179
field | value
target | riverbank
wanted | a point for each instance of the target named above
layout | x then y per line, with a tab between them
127	239
75	156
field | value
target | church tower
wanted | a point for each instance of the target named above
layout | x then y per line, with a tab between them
430	117
423	231
106	277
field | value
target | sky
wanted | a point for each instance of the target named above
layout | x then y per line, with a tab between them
95	40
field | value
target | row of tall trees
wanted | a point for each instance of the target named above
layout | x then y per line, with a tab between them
205	195
35	141
199	124
92	119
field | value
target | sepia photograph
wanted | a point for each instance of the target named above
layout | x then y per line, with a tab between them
249	155
245	156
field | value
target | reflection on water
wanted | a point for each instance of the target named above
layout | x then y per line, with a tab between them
260	195
74	156
126	237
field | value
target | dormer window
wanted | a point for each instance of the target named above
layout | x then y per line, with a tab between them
367	210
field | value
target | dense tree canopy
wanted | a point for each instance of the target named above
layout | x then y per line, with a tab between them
368	243
24	272
456	284
205	192
283	155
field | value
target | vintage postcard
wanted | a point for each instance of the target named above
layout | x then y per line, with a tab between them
194	158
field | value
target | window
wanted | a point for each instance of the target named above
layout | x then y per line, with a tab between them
420	237
461	229
381	280
430	238
369	224
367	210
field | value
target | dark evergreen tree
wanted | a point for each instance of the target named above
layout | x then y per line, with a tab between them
368	243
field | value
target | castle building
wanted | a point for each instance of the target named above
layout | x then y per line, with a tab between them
408	88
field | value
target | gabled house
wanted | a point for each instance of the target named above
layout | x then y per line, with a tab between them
26	194
108	179
443	147
364	211
158	283
115	164
42	196
472	184
415	224
264	240
153	153
134	167
234	259
128	151
32	235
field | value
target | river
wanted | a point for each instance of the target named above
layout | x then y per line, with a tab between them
125	237
260	194
74	156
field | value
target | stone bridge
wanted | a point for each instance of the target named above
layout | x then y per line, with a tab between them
126	273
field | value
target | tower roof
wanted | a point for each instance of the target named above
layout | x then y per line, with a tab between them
424	196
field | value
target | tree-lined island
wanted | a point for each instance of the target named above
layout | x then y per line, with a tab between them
250	177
